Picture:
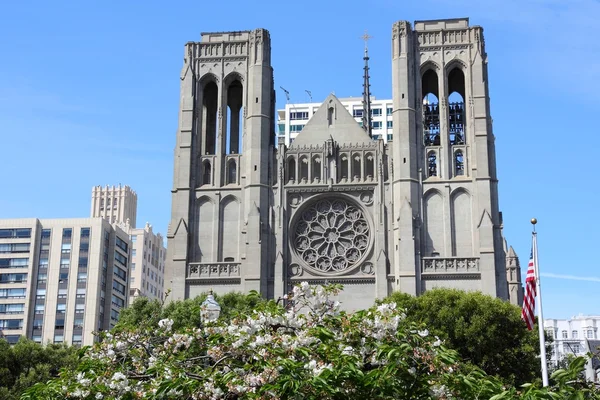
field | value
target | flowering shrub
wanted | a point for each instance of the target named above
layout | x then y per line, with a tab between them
308	349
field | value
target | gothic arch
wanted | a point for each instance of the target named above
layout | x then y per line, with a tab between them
433	205
207	78
458	190
303	167
356	165
205	227
462	223
369	165
234	112
209	106
290	170
206	172
231	172
229	228
458	162
231	77
430	65
316	167
456	63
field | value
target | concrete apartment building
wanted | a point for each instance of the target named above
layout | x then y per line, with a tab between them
148	255
118	205
294	117
61	279
573	336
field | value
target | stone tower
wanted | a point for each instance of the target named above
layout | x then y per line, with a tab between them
116	204
513	276
447	225
219	232
338	205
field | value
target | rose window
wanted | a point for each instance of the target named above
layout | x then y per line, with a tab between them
331	235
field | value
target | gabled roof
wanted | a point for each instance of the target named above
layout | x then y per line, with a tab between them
331	120
511	252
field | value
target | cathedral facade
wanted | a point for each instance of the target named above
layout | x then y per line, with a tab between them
337	205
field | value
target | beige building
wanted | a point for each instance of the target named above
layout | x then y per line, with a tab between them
148	255
339	204
61	279
118	204
115	204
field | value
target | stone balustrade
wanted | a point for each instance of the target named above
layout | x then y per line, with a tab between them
458	265
215	270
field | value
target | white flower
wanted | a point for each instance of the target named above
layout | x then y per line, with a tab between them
412	370
99	396
167	324
423	333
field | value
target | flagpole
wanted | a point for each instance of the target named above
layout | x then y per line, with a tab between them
538	290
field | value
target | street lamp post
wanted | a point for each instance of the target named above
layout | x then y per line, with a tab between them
210	309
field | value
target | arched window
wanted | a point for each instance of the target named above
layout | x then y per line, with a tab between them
356	161
456	106
231	172
459	163
233	136
369	166
432	169
343	166
431	112
303	169
206	172
291	169
209	117
316	168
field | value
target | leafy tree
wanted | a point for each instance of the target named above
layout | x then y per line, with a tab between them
27	363
184	313
309	350
486	331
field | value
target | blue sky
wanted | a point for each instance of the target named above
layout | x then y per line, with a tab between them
89	91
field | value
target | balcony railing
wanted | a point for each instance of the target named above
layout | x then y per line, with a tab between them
459	265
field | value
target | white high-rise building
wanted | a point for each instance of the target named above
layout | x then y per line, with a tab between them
118	204
148	255
292	119
61	279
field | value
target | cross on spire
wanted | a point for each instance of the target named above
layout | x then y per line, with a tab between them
366	38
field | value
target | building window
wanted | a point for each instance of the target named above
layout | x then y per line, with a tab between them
13	308
67	233
564	334
358	113
296	128
432	164
85	233
376	112
11	324
459	163
574	334
15	233
389	110
58	338
590	334
61	308
377	124
390	124
298	115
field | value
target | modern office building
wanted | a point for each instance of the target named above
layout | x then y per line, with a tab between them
61	279
292	119
115	204
118	205
148	255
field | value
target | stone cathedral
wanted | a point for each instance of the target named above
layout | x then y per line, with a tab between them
418	212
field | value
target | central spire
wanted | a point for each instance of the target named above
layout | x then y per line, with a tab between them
366	119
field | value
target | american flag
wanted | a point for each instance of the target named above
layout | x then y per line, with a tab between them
529	300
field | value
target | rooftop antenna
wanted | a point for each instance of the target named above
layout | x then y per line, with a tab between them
366	88
287	94
309	95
